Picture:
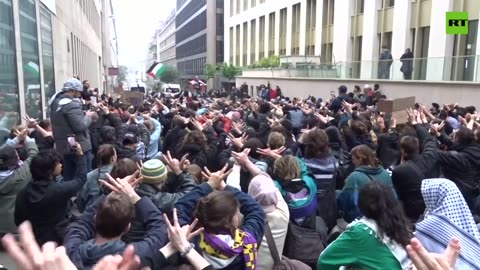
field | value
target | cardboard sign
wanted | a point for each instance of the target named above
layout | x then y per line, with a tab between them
132	98
395	105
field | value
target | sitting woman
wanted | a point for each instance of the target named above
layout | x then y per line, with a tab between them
225	242
448	216
376	241
106	157
263	190
298	189
367	169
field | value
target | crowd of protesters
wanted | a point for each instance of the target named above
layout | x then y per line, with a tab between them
230	181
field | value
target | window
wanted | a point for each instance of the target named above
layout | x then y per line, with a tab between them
9	101
253	3
271	34
326	55
389	3
311	21
237	45
283	32
231	45
31	59
238	6
187	12
245	44
295	42
328	9
245	5
261	38
47	53
360	6
232	8
253	32
193	47
193	27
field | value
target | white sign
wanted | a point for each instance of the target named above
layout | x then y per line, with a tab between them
51	5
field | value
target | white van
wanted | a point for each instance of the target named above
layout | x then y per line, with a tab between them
173	88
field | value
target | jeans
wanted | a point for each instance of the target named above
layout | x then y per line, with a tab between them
70	164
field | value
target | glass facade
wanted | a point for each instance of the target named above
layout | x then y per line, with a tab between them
47	53
9	99
30	58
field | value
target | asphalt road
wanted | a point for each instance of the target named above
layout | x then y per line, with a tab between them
6	261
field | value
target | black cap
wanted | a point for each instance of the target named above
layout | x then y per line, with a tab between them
342	89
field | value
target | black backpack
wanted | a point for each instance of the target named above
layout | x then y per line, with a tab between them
304	243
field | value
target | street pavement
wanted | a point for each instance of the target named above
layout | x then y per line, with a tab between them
6	261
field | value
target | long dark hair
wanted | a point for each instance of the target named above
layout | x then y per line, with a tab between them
376	201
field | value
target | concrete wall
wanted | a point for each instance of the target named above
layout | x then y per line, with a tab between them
70	19
425	92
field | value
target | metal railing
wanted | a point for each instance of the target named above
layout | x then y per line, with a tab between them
458	68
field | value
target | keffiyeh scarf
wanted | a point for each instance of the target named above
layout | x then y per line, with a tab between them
243	243
448	217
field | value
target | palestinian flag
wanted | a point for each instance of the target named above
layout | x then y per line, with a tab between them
156	70
33	68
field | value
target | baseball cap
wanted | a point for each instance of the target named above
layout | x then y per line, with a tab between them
72	84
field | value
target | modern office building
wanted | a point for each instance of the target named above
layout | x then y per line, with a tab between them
166	42
198	36
347	36
44	42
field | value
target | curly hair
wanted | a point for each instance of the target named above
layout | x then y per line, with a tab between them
196	137
376	201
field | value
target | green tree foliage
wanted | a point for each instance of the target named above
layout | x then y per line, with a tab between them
209	71
169	75
272	61
230	71
122	74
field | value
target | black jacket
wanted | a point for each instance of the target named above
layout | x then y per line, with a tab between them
407	177
164	198
46	204
462	166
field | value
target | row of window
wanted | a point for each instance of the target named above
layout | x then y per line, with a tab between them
193	27
91	12
193	47
192	67
237	6
188	11
85	61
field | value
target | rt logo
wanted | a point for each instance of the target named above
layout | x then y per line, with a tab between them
457	23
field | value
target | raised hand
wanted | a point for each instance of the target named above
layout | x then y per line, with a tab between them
275	154
215	179
28	256
124	186
241	157
423	260
127	261
174	164
180	236
31	122
238	142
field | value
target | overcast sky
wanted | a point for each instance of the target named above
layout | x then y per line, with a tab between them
136	23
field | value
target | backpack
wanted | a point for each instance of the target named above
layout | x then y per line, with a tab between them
303	243
283	263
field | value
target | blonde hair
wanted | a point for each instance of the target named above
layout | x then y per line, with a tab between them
276	140
287	168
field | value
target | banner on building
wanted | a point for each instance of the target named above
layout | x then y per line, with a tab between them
51	5
113	71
